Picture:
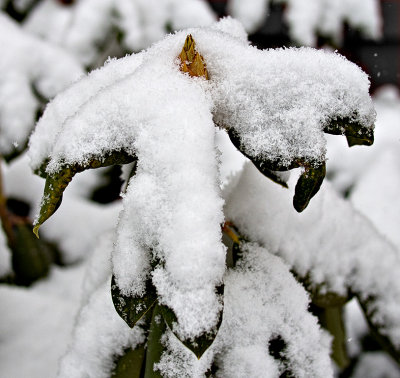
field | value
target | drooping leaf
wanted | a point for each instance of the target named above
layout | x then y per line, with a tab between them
201	343
191	61
132	309
308	185
31	258
56	183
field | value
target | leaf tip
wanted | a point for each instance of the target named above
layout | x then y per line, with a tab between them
36	230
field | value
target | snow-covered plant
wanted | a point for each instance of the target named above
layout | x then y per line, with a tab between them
193	270
88	27
309	19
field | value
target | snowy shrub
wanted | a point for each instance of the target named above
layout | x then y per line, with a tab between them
219	282
32	72
94	29
308	19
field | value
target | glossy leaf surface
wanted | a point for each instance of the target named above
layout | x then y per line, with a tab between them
132	309
56	183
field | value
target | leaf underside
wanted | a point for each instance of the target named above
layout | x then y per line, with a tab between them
310	181
56	183
131	309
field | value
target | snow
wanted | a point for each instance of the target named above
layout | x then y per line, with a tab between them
331	243
165	118
262	300
376	364
99	335
26	62
251	14
174	206
37	323
308	19
83	26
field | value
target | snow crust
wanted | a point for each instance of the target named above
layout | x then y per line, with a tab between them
83	26
100	335
26	62
277	102
308	19
37	322
262	300
333	244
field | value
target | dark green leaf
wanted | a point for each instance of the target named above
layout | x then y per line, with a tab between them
31	258
308	185
201	343
265	166
154	346
356	134
331	318
132	309
57	183
130	364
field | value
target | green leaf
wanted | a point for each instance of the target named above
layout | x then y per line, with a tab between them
201	343
155	348
31	258
132	309
130	364
308	185
331	318
265	166
56	183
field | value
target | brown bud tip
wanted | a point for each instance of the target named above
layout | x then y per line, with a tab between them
191	61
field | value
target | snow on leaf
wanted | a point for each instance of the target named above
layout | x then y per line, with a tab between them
277	103
199	344
132	309
332	246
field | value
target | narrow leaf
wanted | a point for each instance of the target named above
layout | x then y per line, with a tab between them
132	309
308	185
31	258
154	346
130	364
